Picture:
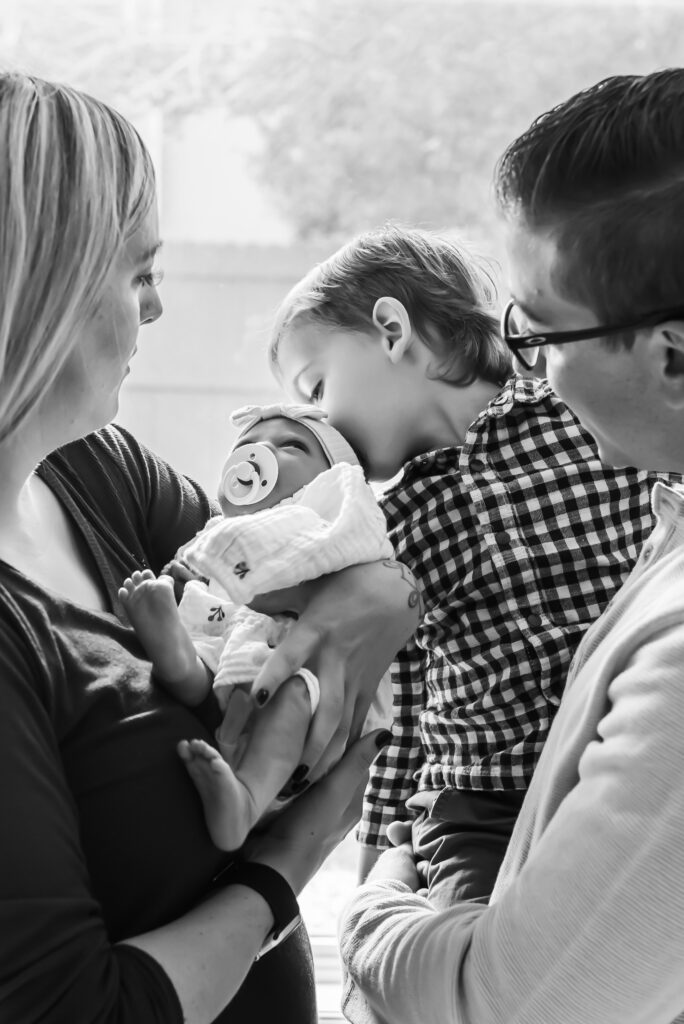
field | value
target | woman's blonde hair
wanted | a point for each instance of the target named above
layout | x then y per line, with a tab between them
75	182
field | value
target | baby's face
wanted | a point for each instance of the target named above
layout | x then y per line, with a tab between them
299	456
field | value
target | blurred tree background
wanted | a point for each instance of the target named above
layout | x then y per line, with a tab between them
400	108
368	109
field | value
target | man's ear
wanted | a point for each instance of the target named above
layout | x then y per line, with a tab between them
392	320
669	343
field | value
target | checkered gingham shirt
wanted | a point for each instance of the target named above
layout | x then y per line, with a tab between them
519	538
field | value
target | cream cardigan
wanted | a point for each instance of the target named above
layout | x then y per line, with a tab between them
586	923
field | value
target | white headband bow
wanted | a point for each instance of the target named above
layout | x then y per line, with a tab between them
334	445
248	415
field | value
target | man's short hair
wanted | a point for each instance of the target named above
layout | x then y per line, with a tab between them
604	174
447	294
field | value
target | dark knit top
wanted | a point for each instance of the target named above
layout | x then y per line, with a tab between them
102	833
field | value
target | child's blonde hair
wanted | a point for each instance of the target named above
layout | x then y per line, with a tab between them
75	182
447	295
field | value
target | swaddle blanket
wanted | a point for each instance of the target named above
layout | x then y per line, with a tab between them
331	523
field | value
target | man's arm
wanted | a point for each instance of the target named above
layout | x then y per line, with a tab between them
593	928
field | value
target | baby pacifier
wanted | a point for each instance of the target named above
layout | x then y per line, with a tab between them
250	474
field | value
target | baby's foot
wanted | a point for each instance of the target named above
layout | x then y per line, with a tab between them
151	607
228	805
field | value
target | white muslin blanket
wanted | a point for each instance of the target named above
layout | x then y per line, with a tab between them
331	523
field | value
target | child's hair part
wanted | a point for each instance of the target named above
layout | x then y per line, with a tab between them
603	174
448	295
75	182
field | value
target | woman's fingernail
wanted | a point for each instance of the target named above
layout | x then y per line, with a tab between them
300	772
261	697
299	787
382	739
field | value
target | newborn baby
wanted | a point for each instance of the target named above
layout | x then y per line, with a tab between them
295	506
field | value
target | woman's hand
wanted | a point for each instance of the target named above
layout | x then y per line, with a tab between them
300	838
353	624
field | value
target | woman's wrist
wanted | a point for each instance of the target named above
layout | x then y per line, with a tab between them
288	850
273	887
273	854
226	933
389	574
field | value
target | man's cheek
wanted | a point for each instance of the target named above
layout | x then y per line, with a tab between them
552	372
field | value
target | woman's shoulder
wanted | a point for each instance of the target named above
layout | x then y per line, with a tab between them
114	469
133	499
111	453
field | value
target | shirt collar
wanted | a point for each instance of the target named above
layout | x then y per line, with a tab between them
667	502
516	391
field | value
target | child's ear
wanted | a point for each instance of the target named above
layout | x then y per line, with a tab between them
392	320
668	340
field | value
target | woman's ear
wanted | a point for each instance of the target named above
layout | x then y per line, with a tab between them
669	343
392	320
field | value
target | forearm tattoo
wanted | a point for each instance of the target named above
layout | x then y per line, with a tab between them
415	599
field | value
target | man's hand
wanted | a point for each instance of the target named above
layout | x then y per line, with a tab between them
397	862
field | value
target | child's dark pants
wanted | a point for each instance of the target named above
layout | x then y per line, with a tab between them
460	842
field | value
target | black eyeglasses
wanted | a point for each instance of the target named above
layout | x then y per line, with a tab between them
533	342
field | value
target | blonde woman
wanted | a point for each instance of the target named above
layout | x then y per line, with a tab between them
110	908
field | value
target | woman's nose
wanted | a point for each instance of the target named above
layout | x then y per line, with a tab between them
151	308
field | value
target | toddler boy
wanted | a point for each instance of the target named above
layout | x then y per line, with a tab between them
517	533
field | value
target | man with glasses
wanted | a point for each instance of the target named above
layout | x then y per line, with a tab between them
586	922
525	345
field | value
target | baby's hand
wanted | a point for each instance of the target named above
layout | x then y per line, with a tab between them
181	574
